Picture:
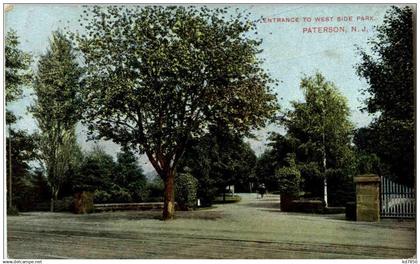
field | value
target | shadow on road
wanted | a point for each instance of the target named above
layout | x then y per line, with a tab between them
155	215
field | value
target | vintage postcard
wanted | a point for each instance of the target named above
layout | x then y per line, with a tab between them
209	131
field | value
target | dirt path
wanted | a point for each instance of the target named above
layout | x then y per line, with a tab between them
253	228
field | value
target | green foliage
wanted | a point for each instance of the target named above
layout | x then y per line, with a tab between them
320	129
218	159
265	169
312	177
130	175
96	171
154	190
112	182
17	69
57	109
186	191
389	67
389	71
341	188
170	72
18	74
116	194
120	194
289	177
274	158
101	196
369	164
321	123
28	186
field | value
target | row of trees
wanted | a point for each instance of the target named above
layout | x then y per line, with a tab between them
18	157
321	151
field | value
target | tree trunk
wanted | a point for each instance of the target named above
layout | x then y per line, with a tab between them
324	165
169	196
325	192
325	181
53	199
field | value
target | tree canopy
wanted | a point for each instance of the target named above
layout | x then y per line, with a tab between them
320	128
17	69
57	109
158	76
388	68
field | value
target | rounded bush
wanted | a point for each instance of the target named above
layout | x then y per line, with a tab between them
186	191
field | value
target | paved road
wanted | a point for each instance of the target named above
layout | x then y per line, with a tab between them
252	228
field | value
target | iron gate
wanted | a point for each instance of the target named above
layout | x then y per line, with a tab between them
397	200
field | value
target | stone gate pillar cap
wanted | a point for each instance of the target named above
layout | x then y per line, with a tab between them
367	178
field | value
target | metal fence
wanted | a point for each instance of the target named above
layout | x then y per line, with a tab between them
397	200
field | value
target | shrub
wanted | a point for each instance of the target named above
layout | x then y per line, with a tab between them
101	196
138	191
312	179
117	194
120	195
289	177
186	191
368	163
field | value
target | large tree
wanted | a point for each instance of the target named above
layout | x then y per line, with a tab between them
57	109
159	76
320	126
389	71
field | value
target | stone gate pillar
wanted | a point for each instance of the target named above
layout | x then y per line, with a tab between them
367	197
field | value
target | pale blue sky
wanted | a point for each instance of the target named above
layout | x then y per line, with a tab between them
289	52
